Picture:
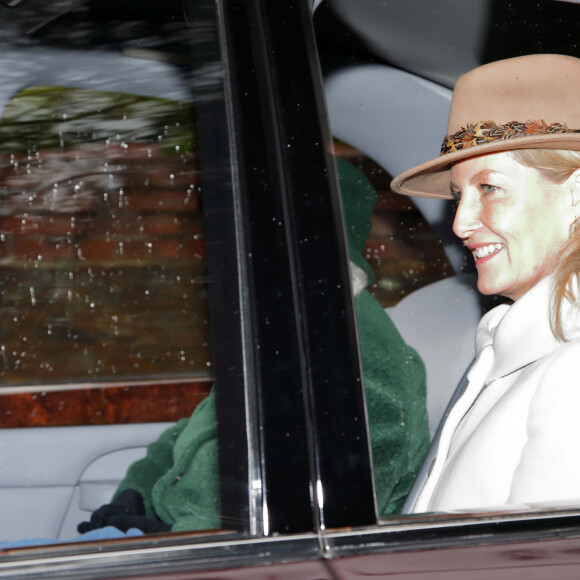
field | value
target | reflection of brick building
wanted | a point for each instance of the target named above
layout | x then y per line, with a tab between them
102	265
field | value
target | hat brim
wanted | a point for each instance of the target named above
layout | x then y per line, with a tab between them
433	178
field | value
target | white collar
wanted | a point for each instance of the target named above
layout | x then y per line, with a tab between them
521	333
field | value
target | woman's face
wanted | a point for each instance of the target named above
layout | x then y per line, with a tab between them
511	219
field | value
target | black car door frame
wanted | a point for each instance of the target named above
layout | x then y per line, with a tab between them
306	396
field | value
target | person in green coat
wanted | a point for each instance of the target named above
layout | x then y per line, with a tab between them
176	485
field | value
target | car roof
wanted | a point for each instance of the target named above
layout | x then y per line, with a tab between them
440	40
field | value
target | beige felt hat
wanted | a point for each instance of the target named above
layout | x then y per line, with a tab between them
528	102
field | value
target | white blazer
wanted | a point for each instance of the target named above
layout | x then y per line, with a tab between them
512	439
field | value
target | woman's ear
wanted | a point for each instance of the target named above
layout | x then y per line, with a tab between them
574	181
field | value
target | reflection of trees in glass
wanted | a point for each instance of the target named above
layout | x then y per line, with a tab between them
55	117
101	247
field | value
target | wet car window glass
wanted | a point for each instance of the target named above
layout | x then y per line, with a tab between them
101	241
104	282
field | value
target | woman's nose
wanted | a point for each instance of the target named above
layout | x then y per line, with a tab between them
466	218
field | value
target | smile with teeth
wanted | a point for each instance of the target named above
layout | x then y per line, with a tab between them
484	251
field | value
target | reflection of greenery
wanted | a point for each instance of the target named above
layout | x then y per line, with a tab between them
55	117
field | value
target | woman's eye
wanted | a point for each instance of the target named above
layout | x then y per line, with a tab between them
486	188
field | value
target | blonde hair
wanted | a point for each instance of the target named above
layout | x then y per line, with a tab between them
556	166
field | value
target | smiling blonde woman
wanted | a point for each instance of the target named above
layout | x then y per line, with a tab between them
511	160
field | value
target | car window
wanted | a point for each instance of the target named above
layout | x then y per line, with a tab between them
103	256
114	150
388	72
